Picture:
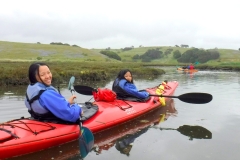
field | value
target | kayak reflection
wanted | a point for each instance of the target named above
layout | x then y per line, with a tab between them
124	144
123	135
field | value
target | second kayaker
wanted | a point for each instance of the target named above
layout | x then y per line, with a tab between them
124	87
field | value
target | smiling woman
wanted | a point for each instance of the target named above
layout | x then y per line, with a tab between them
40	73
43	100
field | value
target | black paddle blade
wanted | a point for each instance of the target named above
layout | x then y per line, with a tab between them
197	132
85	90
197	98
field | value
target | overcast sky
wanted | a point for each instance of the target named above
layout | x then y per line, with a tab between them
122	23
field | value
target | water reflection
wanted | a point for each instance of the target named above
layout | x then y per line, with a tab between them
125	144
123	136
192	132
61	152
188	74
11	92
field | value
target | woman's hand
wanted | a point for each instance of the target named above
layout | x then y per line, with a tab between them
71	99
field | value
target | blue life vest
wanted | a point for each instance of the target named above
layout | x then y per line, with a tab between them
124	95
35	108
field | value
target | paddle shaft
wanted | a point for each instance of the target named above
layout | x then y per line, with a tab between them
86	139
156	95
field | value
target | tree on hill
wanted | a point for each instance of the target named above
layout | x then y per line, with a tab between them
153	54
127	48
176	54
111	54
168	51
184	46
136	56
149	55
202	56
59	43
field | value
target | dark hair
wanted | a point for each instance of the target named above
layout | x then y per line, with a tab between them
33	71
122	73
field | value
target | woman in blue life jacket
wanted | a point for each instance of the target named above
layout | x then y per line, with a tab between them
44	102
126	89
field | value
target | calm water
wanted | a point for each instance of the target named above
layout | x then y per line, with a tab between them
221	117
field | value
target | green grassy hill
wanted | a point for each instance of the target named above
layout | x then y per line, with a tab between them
127	55
227	56
90	65
15	51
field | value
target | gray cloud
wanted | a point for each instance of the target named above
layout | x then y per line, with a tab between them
117	25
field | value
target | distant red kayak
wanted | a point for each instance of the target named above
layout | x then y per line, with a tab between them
187	70
120	111
23	136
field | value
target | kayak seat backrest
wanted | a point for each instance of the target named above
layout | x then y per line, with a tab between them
89	109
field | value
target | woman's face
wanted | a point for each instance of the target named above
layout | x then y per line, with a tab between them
45	75
128	77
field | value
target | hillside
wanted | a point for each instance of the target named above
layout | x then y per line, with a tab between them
226	55
15	51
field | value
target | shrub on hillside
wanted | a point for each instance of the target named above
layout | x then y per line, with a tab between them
59	43
152	54
202	56
111	54
136	56
176	54
168	51
149	55
127	48
146	59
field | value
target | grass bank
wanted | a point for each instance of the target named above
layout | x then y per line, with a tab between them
16	73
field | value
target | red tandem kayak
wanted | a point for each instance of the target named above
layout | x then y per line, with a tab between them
120	111
23	136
